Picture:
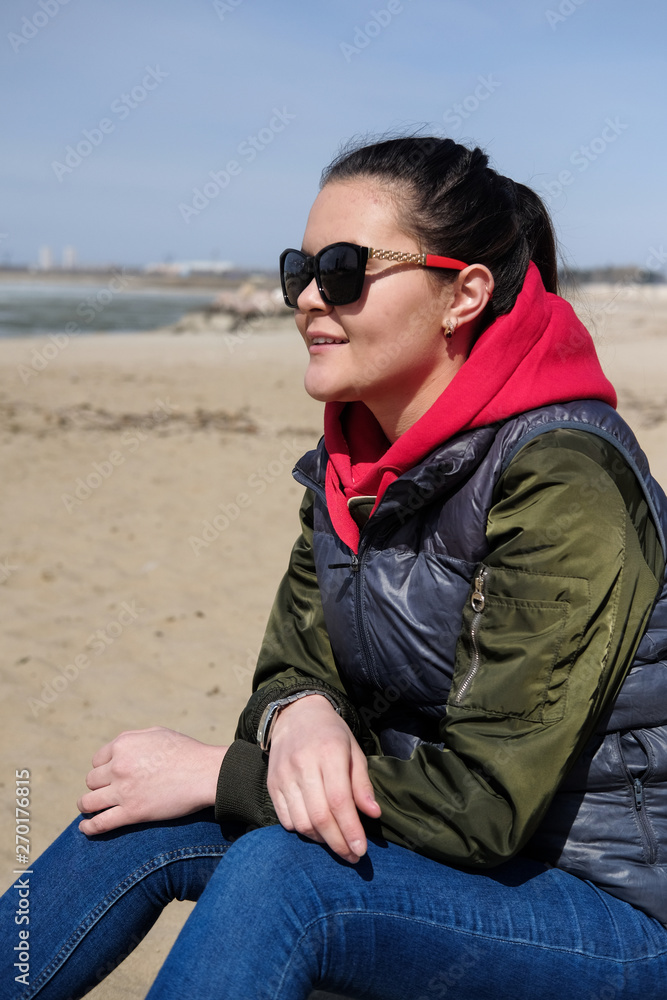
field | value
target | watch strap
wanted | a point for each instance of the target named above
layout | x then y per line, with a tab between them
272	710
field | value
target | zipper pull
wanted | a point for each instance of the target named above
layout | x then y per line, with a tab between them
478	600
353	564
639	793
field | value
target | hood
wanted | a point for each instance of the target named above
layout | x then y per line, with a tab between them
537	354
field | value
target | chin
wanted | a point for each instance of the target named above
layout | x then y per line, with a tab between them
328	394
320	396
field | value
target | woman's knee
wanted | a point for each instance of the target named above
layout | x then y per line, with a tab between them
274	867
272	852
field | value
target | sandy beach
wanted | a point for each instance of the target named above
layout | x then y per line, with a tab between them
148	511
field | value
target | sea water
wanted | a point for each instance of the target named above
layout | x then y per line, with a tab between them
36	308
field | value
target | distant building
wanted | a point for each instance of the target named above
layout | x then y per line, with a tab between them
182	268
69	259
45	258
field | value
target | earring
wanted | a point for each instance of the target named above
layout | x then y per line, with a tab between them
449	331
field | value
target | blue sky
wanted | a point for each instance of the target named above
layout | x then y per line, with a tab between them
158	96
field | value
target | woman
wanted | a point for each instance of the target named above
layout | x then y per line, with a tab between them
463	658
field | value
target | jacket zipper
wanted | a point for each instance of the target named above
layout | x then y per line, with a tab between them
640	809
361	631
477	601
644	822
354	565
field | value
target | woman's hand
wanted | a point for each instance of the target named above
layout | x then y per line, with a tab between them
318	777
149	774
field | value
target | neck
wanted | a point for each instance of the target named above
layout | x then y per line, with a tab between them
397	414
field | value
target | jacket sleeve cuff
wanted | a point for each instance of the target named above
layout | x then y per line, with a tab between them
241	794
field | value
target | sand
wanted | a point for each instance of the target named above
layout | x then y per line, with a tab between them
148	512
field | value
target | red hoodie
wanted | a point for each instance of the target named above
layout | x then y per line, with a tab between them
537	354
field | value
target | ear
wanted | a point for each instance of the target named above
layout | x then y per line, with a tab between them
471	291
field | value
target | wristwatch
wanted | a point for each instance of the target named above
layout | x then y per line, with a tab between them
270	714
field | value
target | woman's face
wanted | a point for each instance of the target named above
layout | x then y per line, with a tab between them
389	348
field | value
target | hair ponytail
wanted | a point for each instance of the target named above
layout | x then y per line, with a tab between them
539	232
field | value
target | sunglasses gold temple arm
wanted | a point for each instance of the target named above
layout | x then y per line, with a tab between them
404	258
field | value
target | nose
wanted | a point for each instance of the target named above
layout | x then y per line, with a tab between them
311	300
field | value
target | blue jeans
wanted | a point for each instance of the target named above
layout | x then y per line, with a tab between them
279	916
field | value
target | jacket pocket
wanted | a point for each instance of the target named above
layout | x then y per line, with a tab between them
638	766
516	647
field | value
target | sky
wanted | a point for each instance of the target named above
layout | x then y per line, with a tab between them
139	131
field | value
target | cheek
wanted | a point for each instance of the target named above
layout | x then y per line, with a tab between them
407	303
300	321
410	327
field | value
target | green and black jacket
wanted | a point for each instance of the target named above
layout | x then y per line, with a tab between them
476	647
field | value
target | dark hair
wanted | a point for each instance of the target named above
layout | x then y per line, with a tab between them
454	204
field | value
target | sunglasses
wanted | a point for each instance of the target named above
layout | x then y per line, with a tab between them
339	270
